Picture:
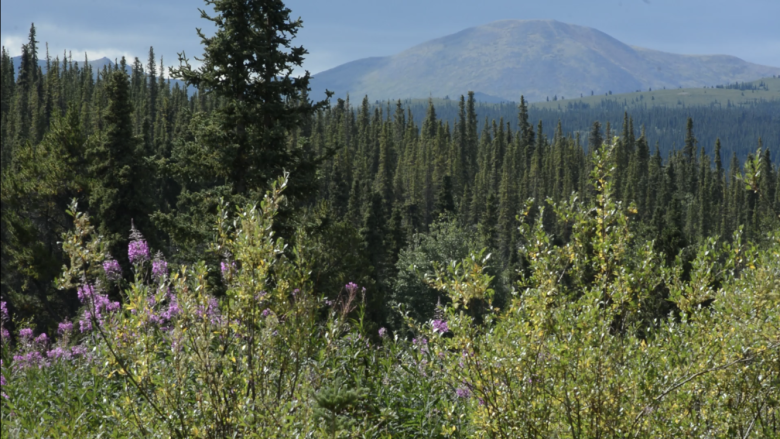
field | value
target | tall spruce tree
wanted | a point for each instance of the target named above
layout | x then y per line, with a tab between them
248	64
121	178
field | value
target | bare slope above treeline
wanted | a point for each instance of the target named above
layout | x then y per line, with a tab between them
535	58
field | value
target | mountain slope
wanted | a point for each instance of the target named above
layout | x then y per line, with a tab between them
535	58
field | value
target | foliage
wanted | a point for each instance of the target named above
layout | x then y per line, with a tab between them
571	355
584	362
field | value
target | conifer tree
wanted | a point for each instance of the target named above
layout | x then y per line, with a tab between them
120	191
595	138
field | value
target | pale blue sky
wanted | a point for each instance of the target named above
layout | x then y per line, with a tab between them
338	31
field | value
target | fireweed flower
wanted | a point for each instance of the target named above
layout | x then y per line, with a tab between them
382	332
440	326
227	268
173	308
59	353
462	392
65	327
138	251
28	360
85	324
2	377
85	293
26	333
96	305
42	339
112	269
3	311
2	381
351	287
159	269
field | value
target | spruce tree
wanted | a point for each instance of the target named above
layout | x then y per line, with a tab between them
249	64
120	190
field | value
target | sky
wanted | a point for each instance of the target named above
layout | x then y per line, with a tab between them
339	31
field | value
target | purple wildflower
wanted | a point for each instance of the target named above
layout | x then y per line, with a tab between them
65	327
58	353
96	305
28	360
4	335
26	333
173	308
79	351
159	266
3	311
266	312
85	292
85	324
42	339
351	287
227	268
383	332
462	392
440	326
112	269
138	251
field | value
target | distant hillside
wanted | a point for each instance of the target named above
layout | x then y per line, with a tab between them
737	117
752	92
534	58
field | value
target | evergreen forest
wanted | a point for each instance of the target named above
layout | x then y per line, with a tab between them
225	255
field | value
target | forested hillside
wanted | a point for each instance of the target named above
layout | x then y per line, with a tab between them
129	148
738	126
252	261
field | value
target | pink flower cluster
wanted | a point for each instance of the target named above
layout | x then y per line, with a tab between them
65	327
440	326
112	269
159	269
2	379
352	288
97	304
227	268
4	335
138	251
163	317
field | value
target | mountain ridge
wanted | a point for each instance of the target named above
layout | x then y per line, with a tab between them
534	58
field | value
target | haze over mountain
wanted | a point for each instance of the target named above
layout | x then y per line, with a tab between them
535	58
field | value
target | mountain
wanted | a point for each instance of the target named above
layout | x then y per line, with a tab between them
534	58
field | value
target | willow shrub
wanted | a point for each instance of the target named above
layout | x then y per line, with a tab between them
264	359
575	355
577	352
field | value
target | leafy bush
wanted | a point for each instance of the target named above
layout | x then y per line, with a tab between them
576	352
573	355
